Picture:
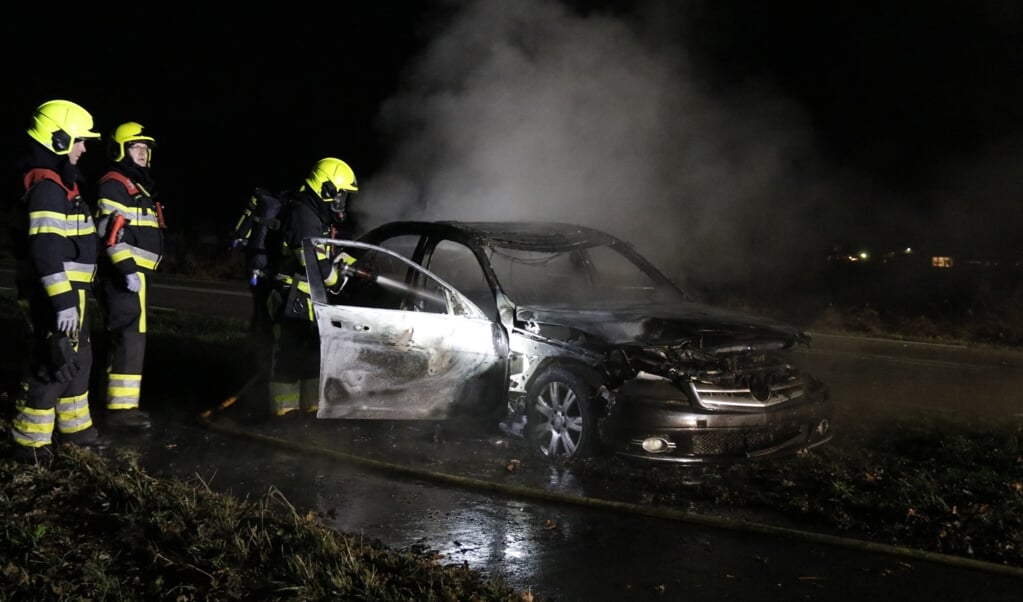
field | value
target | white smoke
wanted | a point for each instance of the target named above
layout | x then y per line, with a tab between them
527	110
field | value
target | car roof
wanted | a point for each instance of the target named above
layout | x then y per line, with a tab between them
515	234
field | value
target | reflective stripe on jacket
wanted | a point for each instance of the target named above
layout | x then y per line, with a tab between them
141	247
62	245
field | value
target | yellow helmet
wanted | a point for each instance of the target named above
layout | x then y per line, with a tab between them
124	135
332	179
56	124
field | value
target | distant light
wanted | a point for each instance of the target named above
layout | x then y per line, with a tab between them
864	255
908	251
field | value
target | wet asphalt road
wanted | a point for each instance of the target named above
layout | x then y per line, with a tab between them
547	538
553	538
543	532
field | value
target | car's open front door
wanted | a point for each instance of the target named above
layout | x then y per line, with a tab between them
397	342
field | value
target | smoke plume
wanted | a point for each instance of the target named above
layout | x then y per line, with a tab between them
528	110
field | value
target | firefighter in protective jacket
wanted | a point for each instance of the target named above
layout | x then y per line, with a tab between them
256	233
131	226
55	249
318	208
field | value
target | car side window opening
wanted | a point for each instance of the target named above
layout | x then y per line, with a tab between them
404	245
458	266
386	282
360	292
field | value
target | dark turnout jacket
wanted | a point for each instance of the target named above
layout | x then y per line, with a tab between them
54	232
128	191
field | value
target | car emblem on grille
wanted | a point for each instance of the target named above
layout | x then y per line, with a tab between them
760	387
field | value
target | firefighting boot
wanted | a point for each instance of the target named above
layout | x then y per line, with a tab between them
128	419
40	456
89	437
309	397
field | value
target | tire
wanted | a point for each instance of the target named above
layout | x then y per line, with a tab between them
561	422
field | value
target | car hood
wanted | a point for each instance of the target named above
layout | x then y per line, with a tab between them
704	326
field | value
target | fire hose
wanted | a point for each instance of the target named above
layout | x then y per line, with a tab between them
206	414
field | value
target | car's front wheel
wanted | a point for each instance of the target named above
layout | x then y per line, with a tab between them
560	415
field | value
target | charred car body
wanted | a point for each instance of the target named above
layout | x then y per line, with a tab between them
564	335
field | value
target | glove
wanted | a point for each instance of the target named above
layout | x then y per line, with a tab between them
133	282
105	223
67	320
102	224
64	364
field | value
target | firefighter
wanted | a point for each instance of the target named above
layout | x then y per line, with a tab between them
131	226
256	232
318	208
55	250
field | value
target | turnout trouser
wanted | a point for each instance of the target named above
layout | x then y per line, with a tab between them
125	314
48	404
295	369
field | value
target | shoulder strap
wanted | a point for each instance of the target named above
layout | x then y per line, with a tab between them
123	179
38	174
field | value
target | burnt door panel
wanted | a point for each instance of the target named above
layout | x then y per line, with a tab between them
392	364
425	352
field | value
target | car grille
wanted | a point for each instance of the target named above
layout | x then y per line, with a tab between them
732	443
716	396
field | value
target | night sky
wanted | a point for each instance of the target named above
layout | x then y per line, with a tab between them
234	99
727	133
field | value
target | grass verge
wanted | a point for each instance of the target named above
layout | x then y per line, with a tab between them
925	482
98	528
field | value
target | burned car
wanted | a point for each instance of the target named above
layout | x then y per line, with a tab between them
562	335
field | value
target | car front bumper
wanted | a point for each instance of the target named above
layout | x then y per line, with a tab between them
659	429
